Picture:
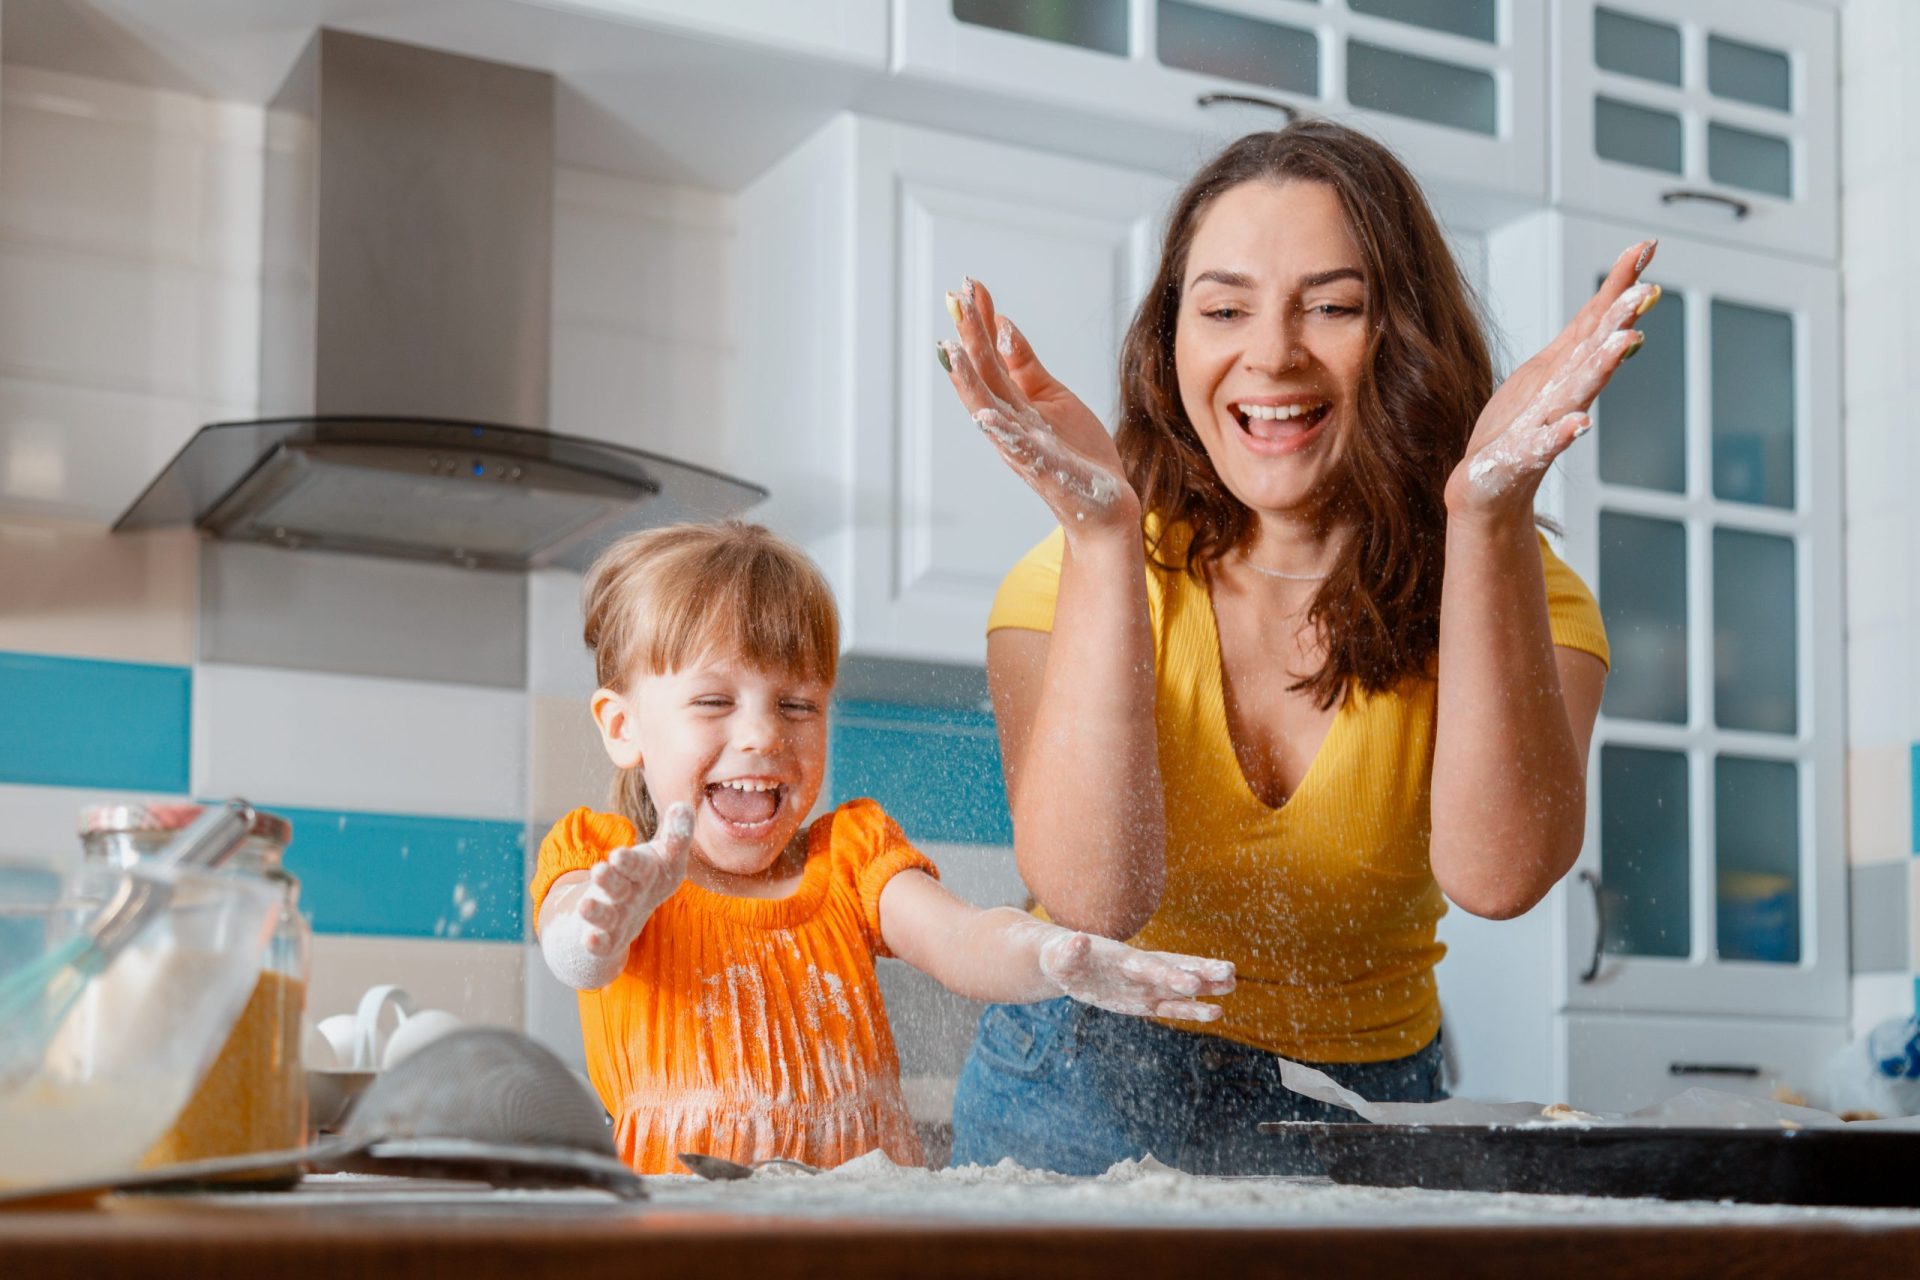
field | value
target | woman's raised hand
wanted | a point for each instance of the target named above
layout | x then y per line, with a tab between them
1542	408
1043	430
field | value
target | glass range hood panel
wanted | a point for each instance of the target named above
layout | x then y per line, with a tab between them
482	496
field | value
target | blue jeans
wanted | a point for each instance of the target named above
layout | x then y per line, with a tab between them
1071	1088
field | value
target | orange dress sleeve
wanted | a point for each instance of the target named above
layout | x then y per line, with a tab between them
874	850
576	842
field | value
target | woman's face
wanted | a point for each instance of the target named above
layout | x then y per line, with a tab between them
1271	337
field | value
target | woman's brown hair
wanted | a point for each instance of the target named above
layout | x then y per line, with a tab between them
659	600
1425	379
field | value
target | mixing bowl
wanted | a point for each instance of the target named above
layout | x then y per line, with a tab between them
126	1059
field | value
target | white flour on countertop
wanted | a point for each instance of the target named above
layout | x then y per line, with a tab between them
1148	1193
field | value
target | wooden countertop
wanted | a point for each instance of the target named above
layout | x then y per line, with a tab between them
521	1239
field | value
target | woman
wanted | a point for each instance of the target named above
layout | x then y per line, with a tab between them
1297	662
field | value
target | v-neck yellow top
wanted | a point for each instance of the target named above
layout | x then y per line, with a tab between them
1326	904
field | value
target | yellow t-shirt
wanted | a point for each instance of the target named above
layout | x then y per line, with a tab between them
1327	904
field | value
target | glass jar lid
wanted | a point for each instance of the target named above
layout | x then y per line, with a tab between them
122	833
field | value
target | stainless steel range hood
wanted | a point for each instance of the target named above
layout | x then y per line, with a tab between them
405	318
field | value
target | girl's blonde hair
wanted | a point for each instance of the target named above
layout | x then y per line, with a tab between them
659	600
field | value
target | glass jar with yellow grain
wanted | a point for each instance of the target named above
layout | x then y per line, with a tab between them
254	1096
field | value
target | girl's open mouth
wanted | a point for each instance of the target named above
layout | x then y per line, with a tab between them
746	807
1278	429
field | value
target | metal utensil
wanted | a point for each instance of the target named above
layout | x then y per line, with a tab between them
481	1104
720	1169
37	999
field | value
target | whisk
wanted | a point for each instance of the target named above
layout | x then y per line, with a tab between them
37	999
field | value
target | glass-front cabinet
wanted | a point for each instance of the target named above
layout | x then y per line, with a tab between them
1705	515
1717	117
1459	88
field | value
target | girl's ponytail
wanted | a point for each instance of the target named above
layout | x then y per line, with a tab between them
630	799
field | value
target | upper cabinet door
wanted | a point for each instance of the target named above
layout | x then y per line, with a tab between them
1066	248
1459	89
1712	117
1704	513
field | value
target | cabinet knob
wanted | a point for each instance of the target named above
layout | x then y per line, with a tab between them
1248	100
1681	195
1592	882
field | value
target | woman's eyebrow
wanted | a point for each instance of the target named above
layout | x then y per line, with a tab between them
1231	279
1240	280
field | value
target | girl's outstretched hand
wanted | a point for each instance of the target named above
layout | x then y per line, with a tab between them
1114	976
626	889
1542	408
1044	431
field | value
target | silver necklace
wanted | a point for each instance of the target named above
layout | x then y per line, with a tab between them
1281	573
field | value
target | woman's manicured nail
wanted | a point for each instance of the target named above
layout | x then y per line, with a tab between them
1646	255
953	306
1633	350
940	350
969	282
1647	303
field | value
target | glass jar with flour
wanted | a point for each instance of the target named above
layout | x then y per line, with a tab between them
254	1097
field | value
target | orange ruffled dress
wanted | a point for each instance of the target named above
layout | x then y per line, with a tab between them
748	1027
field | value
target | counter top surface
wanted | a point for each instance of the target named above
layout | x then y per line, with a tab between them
877	1222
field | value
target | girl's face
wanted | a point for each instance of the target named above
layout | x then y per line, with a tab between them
746	747
1271	337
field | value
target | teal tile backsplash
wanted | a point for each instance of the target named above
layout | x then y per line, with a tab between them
935	770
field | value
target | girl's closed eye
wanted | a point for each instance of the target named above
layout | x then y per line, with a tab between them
799	706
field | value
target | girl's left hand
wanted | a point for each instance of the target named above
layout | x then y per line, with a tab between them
1542	408
1114	976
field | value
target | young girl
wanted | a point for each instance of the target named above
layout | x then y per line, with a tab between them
725	965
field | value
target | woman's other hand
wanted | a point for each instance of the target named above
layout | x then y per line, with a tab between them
1044	431
1112	975
1542	407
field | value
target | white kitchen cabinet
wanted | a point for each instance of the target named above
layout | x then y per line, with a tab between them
1458	89
850	31
1618	1063
846	250
1704	511
1717	118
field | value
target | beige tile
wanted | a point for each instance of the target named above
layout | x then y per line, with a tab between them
70	587
480	982
1879	806
567	765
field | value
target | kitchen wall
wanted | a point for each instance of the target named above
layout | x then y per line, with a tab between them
419	778
1880	206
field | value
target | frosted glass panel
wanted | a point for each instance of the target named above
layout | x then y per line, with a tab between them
1753	404
1634	46
1474	19
1635	135
1237	47
1100	25
1756	807
1749	73
1643	597
1641	418
1422	88
1643	852
1755	684
1752	161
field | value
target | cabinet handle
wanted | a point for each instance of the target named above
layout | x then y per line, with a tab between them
1712	1069
1249	100
1740	208
1592	882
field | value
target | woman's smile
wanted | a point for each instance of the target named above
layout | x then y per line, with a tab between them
1274	426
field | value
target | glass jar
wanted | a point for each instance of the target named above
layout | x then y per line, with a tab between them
254	1096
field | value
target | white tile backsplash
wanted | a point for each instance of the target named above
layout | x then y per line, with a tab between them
350	742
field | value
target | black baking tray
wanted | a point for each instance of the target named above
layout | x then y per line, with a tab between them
1837	1166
